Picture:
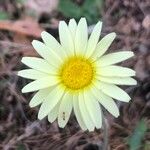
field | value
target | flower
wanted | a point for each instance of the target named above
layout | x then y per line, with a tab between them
76	75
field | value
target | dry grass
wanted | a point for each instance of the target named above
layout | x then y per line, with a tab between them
19	127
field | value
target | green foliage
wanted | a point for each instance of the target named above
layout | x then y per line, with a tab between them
1	110
90	9
136	139
4	15
21	147
3	83
147	146
21	1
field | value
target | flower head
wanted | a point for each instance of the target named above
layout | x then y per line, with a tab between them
76	75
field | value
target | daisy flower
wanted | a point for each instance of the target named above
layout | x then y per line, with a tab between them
76	75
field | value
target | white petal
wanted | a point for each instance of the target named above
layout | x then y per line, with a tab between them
85	114
115	71
65	110
107	102
51	42
113	91
114	58
38	64
40	84
72	27
78	113
118	80
81	37
66	38
93	40
103	45
53	113
39	97
93	108
32	74
48	54
50	102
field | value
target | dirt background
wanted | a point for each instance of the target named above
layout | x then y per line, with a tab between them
21	21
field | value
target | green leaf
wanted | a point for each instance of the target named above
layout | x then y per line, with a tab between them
21	147
90	9
69	9
100	4
147	146
21	1
4	15
136	138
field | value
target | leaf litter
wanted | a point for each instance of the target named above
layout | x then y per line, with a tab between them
19	127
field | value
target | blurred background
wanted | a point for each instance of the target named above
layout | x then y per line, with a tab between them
21	21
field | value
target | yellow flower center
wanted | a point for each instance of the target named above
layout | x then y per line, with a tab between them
77	73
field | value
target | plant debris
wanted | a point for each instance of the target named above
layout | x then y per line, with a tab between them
19	127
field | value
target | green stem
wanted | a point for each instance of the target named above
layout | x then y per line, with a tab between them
105	134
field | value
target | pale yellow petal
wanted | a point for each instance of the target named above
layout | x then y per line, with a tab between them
53	113
39	64
78	113
72	27
65	109
106	101
32	74
39	97
118	80
51	42
85	114
103	45
66	38
114	58
48	54
81	37
93	40
50	102
115	71
93	108
113	91
40	84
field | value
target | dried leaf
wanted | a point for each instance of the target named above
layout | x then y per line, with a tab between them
28	27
